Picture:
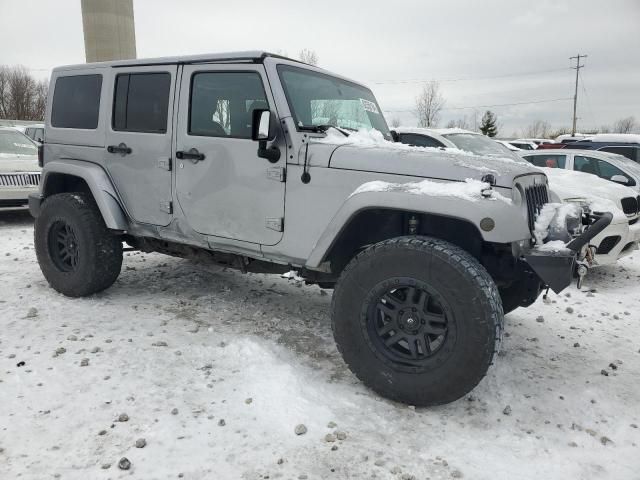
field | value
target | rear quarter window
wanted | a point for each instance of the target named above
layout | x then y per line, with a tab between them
76	102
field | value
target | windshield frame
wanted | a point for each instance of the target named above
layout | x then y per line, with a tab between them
283	67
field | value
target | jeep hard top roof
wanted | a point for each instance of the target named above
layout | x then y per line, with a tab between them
251	56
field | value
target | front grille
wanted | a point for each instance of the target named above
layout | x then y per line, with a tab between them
19	179
630	205
633	222
536	196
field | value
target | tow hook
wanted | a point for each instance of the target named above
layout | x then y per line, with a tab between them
582	272
583	265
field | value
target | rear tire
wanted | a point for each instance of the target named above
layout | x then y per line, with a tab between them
77	253
417	319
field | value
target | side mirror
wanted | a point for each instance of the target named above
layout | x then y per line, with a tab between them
261	128
394	136
620	179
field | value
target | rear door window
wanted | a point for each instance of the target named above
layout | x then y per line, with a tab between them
419	140
141	102
549	161
76	102
586	165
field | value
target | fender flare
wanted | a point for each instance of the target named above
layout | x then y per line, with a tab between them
508	229
100	185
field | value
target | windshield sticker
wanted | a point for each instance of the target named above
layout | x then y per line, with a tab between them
369	106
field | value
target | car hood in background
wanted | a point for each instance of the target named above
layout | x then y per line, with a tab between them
10	163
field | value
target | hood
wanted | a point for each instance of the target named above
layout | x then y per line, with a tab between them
602	195
369	151
10	163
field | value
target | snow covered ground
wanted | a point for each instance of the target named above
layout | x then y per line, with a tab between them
215	369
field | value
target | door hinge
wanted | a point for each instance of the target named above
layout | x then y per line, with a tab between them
276	173
166	207
276	224
165	164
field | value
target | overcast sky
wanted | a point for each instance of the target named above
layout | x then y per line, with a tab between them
483	52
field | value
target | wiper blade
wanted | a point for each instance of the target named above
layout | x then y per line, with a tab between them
322	128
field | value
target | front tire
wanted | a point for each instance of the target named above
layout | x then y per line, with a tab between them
417	319
77	254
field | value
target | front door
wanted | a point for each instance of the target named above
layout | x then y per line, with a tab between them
139	140
222	186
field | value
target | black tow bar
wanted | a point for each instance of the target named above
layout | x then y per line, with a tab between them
603	222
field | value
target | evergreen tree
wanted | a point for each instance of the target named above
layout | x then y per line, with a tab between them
489	126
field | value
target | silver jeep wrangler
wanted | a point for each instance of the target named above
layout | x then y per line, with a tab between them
266	164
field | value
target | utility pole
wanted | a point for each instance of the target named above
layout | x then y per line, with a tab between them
575	95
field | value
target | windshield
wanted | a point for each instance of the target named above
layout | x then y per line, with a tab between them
481	145
625	163
317	99
15	143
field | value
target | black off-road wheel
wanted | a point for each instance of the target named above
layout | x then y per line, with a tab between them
77	254
417	319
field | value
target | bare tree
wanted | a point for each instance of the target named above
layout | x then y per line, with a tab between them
462	123
22	97
625	125
395	122
308	56
429	103
538	129
604	129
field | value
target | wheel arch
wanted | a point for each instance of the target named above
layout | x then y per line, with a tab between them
74	176
368	226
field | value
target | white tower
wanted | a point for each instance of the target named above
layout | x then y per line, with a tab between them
109	30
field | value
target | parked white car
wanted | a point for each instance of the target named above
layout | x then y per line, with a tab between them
19	170
523	144
620	238
608	166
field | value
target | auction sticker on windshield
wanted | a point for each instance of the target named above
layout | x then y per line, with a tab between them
369	106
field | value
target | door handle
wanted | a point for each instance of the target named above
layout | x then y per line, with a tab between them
194	155
122	149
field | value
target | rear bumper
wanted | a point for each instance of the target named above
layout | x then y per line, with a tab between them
35	203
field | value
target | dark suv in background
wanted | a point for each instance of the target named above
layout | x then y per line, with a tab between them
626	149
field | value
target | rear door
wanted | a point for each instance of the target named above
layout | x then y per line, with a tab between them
229	192
139	138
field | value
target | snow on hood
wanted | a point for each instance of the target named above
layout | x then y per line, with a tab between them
470	189
448	163
602	195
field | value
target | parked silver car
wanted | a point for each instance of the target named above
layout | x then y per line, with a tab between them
19	170
264	163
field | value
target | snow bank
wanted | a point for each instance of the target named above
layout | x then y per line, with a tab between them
470	189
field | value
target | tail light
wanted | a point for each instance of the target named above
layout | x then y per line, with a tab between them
40	155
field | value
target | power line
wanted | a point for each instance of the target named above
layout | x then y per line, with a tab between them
493	105
464	79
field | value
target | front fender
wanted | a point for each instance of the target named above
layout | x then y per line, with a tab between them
509	218
100	185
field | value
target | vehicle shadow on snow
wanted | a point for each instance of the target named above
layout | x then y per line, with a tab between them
294	315
15	217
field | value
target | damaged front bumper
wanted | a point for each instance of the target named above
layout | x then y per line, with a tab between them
556	268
